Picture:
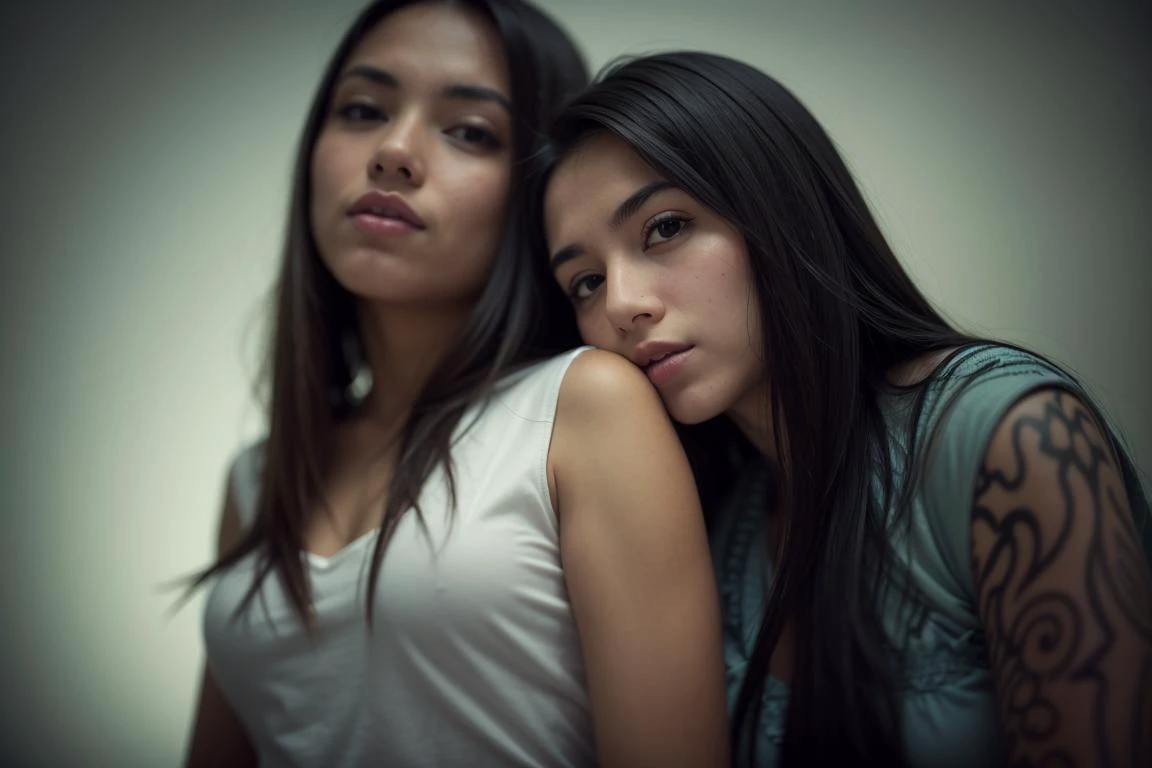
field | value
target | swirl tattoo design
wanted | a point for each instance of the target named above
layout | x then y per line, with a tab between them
1064	591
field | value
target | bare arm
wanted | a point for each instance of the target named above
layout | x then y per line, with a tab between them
218	739
1064	591
638	571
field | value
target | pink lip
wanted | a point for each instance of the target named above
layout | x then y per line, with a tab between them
664	370
647	351
377	225
383	214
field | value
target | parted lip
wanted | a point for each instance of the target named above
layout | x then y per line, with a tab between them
386	205
648	352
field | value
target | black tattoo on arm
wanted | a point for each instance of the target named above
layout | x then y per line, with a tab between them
1064	590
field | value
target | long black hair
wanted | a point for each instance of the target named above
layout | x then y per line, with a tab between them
838	313
308	371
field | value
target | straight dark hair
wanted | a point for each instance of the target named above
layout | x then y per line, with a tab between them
308	371
838	313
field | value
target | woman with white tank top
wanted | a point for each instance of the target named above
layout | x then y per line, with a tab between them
457	545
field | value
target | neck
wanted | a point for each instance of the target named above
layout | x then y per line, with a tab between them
402	346
752	415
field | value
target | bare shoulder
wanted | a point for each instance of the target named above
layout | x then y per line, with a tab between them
602	384
637	569
610	423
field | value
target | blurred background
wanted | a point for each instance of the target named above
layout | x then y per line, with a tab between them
145	158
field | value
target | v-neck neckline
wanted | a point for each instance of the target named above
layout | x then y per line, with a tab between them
326	563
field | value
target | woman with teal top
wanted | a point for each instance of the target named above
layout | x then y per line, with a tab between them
936	549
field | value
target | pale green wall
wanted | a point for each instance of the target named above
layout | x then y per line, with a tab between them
144	170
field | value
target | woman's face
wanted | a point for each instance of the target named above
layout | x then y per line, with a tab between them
657	277
411	167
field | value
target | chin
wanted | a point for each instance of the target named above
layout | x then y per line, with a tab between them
379	276
687	408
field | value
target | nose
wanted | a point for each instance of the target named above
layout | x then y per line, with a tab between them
630	300
398	156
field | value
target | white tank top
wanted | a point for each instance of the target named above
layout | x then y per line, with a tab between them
473	659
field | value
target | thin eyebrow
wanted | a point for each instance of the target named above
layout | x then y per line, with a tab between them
628	208
455	92
623	212
378	76
567	253
477	93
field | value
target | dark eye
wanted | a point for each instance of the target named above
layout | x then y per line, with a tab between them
474	134
663	229
359	113
583	288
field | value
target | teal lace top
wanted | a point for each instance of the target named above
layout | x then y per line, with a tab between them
948	706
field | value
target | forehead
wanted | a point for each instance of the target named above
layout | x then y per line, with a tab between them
436	41
591	181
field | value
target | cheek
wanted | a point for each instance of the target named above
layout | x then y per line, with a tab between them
472	218
746	309
475	199
325	161
725	291
744	335
326	171
596	330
